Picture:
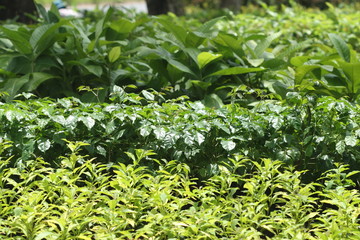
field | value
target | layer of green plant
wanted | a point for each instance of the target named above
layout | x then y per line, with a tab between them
311	52
82	199
75	2
309	134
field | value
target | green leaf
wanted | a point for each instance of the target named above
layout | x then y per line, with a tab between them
88	121
179	32
351	141
114	54
230	42
340	46
193	41
302	71
43	146
36	79
205	58
18	39
206	29
340	147
228	145
90	67
299	60
237	70
13	85
199	138
148	95
178	65
264	44
43	37
123	26
255	62
352	71
213	101
99	28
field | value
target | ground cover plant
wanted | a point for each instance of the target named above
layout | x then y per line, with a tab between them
124	126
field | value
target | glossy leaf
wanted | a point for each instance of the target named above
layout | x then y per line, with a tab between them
205	58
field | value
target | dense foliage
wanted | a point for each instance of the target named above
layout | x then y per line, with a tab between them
125	126
292	51
82	199
309	135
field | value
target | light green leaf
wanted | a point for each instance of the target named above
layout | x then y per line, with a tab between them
114	54
302	71
299	60
205	58
159	133
255	62
250	187
237	70
123	26
44	235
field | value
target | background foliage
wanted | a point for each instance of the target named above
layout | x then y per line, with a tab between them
124	126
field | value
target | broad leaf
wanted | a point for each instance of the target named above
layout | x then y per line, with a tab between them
36	79
13	85
180	66
18	39
43	37
302	71
228	145
340	46
205	58
352	71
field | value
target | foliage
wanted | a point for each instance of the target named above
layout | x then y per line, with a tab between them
85	200
237	127
311	134
297	50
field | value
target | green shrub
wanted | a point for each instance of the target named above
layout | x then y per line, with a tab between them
84	199
311	134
